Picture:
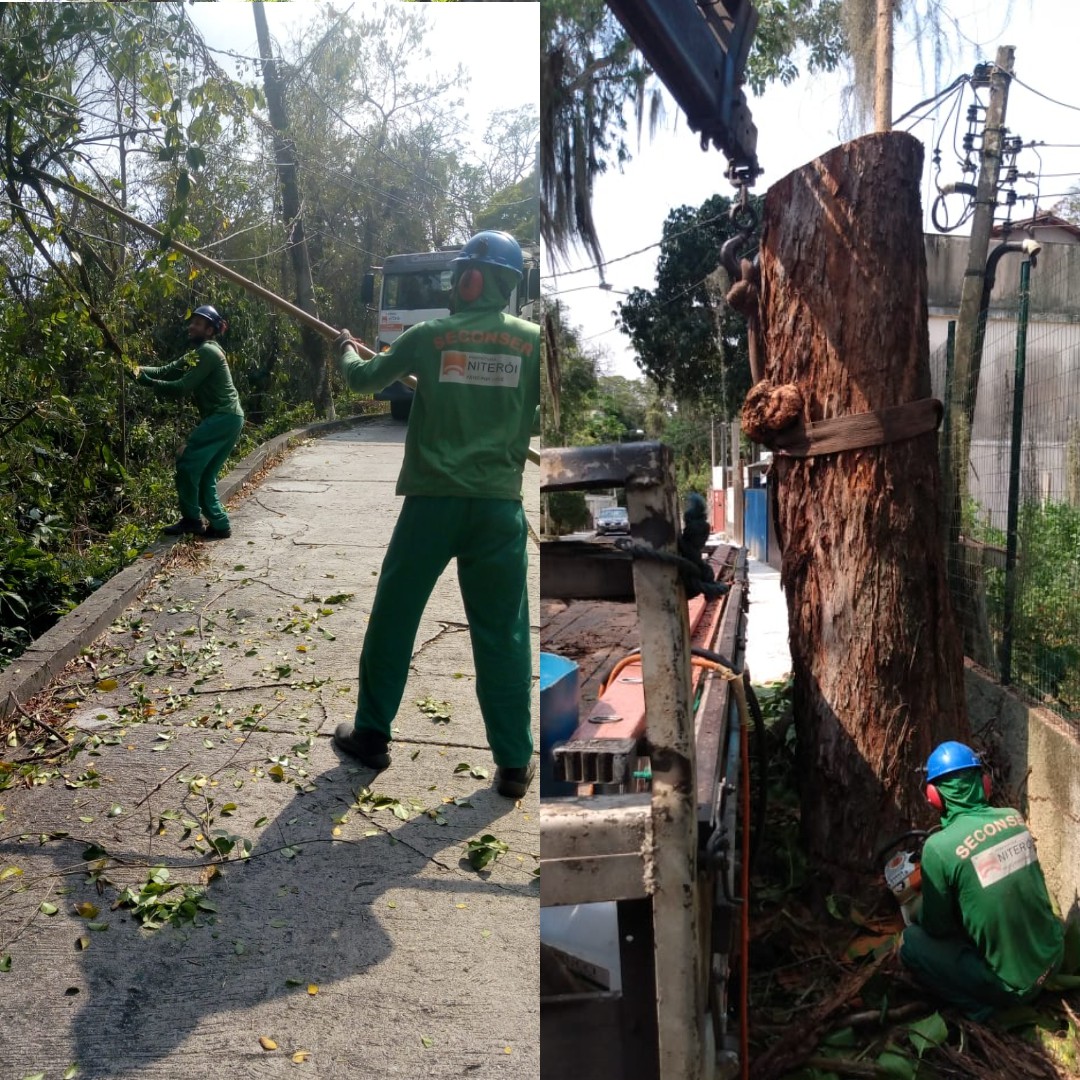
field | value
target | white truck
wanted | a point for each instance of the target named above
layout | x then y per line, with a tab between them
416	287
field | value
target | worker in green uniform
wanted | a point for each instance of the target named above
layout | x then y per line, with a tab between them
475	406
202	373
987	936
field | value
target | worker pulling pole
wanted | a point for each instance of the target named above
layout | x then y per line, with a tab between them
325	329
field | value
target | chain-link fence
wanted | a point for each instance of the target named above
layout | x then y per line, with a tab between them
1013	530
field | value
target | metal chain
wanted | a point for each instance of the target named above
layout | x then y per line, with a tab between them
690	572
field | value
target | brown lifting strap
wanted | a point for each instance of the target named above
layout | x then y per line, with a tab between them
854	432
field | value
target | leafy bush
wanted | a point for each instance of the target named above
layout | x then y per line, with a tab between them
1046	619
567	511
1046	624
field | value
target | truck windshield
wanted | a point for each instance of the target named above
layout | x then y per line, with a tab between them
417	289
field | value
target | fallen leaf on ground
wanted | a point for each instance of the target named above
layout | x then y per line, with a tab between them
312	989
267	1043
301	1056
869	943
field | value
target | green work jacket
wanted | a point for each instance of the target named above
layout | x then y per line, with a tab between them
203	374
476	402
981	877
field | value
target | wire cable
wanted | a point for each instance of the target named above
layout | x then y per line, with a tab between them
958	81
647	247
1045	97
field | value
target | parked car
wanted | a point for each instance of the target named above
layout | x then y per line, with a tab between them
612	520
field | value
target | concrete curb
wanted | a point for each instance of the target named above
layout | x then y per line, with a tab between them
47	655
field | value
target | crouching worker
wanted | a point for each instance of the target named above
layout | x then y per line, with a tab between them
203	374
474	409
986	936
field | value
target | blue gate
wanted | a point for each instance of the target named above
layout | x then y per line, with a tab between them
756	523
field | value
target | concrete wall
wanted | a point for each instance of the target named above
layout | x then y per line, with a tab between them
1043	760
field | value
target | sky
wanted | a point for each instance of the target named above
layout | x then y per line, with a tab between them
800	122
501	78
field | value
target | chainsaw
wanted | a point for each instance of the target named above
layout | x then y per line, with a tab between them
903	871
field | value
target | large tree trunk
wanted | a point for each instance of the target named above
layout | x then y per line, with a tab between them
877	663
312	345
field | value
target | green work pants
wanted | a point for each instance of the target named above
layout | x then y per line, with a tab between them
208	448
952	969
488	538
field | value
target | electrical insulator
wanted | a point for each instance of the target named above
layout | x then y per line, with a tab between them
972	114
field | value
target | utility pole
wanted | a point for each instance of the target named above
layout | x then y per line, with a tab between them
965	383
967	363
738	499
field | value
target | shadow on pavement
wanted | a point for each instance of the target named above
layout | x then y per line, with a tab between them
327	916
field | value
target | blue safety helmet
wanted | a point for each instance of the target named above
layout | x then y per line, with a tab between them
493	249
950	757
211	315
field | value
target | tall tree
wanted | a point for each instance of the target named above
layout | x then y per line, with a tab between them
688	341
288	167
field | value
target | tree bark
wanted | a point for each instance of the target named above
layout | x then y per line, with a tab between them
312	345
878	665
883	66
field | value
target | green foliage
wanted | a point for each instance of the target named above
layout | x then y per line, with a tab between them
1046	638
158	902
484	850
1046	649
791	32
589	72
567	511
688	340
86	457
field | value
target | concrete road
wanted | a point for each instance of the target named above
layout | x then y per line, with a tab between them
355	941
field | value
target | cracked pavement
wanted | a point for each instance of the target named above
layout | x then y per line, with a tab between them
356	938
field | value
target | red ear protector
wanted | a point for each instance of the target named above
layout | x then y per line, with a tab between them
470	285
933	796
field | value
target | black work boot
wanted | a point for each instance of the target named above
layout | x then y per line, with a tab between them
186	526
368	747
514	783
213	533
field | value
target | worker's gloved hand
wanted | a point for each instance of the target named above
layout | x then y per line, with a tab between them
343	339
133	373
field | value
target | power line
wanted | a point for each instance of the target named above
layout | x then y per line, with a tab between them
957	82
647	247
1045	97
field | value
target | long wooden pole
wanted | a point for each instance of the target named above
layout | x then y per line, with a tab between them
205	261
215	267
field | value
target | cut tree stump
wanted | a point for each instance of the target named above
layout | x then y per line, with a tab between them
877	662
